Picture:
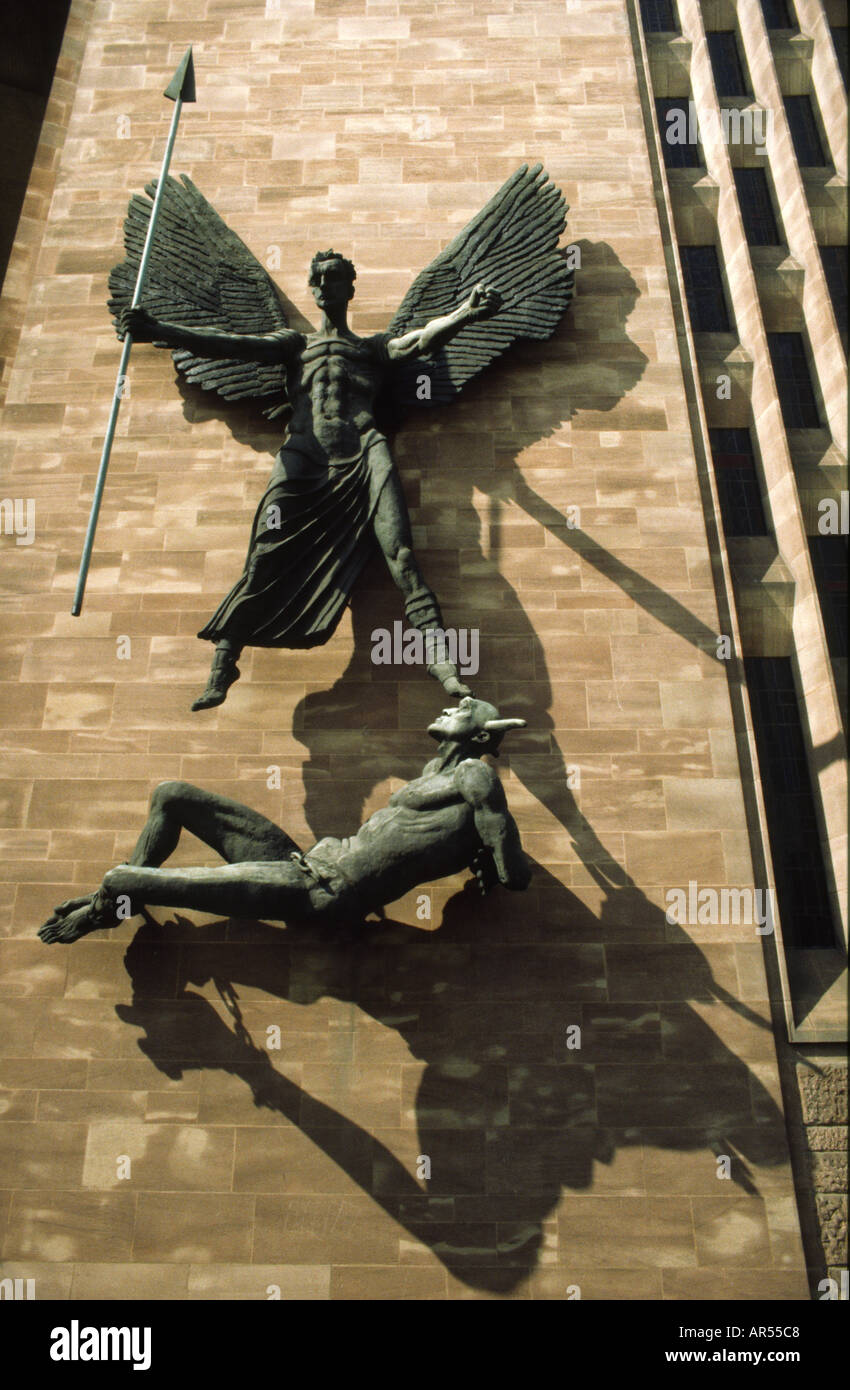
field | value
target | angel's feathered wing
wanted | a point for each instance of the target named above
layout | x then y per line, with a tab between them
202	275
512	244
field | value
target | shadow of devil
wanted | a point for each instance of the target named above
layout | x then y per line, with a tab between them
508	1112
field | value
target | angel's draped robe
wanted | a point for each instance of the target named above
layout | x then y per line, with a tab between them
311	536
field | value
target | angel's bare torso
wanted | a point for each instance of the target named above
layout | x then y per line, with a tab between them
332	381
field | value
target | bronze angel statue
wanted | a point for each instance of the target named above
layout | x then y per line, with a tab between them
334	488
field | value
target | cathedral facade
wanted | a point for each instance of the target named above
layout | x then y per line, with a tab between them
628	1082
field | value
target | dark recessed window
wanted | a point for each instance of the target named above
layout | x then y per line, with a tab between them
730	79
756	207
674	123
704	289
839	39
804	132
834	259
801	885
776	14
793	381
659	16
737	483
30	40
829	563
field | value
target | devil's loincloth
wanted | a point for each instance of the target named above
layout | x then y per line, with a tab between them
310	539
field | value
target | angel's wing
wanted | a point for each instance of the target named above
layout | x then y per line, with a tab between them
201	275
512	245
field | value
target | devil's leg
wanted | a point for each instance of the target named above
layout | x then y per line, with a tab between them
234	831
245	889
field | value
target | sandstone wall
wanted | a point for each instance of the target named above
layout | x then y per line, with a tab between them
378	129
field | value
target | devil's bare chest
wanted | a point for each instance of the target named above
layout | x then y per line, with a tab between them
428	793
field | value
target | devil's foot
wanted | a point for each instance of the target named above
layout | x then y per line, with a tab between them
223	675
446	673
70	923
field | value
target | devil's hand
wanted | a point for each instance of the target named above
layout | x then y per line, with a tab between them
484	302
139	324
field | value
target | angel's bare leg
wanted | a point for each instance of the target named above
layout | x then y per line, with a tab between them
234	831
392	531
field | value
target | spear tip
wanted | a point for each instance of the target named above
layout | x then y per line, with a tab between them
182	84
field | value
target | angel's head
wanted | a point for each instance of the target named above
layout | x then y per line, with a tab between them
331	279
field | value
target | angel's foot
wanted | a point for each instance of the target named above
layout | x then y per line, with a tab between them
446	673
223	674
93	914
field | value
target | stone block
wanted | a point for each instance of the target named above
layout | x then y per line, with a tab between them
824	1093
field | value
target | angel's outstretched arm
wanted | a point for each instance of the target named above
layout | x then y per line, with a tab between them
423	342
210	342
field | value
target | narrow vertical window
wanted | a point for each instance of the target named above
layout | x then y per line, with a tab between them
839	39
737	482
676	128
730	78
704	289
804	132
776	14
829	563
834	260
659	17
793	381
756	207
795	847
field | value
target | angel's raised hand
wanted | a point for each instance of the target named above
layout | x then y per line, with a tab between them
484	302
139	324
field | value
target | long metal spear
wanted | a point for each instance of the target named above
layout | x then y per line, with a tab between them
181	88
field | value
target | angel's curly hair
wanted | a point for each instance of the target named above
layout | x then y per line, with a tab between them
321	256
